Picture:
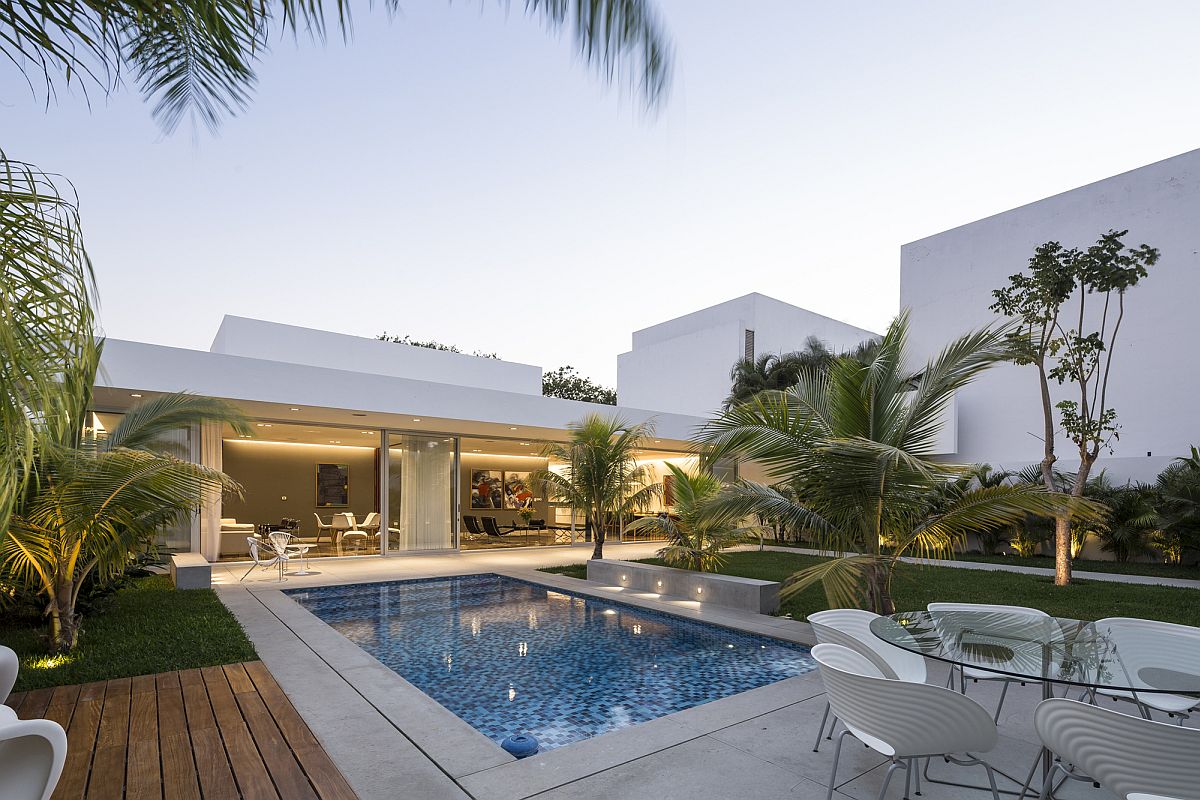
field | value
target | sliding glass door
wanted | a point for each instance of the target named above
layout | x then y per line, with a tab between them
420	491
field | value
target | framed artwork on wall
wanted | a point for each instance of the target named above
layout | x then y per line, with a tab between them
333	485
517	492
487	488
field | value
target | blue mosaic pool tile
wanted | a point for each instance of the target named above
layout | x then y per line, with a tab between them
511	657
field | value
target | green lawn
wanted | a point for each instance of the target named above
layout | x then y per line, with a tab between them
917	586
143	628
1155	569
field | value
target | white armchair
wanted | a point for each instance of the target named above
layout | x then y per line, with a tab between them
32	752
901	720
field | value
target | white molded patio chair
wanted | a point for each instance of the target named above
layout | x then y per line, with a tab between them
851	627
323	527
10	665
1145	644
344	525
32	753
1134	758
901	720
1008	627
277	558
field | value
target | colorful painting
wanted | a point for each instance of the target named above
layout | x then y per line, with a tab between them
487	488
517	492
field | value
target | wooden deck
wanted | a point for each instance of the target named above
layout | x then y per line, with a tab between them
217	732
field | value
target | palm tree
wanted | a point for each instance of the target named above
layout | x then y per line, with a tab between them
1178	488
92	500
778	372
856	444
977	476
695	537
1131	518
598	473
197	59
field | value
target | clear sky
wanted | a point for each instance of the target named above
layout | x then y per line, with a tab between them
455	173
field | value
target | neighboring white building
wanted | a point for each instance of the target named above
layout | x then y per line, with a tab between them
683	364
946	280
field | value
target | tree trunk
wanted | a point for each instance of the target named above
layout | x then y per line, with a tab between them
878	594
64	622
598	537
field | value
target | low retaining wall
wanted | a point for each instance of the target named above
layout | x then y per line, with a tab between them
190	571
743	594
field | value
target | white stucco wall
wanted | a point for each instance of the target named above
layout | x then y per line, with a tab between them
683	364
947	279
273	341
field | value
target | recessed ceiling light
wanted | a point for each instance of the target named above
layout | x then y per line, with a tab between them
657	441
335	441
367	432
134	394
476	450
524	444
416	419
264	424
295	409
512	429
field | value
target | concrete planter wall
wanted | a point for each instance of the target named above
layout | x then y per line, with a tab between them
743	594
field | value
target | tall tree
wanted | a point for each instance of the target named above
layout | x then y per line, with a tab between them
598	473
856	445
568	384
1069	305
780	371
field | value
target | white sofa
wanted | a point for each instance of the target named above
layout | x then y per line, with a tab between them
233	537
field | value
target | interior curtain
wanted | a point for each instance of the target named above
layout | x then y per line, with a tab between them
423	517
210	506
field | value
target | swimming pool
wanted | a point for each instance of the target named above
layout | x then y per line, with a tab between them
510	657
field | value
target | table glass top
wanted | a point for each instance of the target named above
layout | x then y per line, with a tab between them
1125	654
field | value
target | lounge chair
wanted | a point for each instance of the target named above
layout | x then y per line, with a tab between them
472	524
492	529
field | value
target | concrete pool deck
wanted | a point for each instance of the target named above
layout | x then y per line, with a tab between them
391	740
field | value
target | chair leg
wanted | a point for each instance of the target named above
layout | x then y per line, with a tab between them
252	566
887	779
837	754
1000	705
821	729
916	774
1048	784
992	776
907	778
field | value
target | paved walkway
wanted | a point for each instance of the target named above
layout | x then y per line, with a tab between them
218	732
987	566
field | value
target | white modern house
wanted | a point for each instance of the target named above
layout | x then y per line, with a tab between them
349	432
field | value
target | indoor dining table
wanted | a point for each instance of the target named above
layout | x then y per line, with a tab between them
1132	661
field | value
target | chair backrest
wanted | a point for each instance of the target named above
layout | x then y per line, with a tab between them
372	519
851	627
255	554
343	521
32	753
1145	644
1125	754
10	665
907	719
472	524
490	527
981	607
280	541
321	525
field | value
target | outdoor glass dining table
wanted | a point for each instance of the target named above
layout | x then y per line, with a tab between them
1133	658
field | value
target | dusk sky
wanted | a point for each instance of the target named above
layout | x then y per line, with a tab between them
456	173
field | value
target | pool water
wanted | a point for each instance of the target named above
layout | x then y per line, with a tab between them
514	657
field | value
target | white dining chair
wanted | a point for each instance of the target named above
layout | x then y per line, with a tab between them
1007	627
900	720
32	754
851	627
323	527
1141	646
1132	757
